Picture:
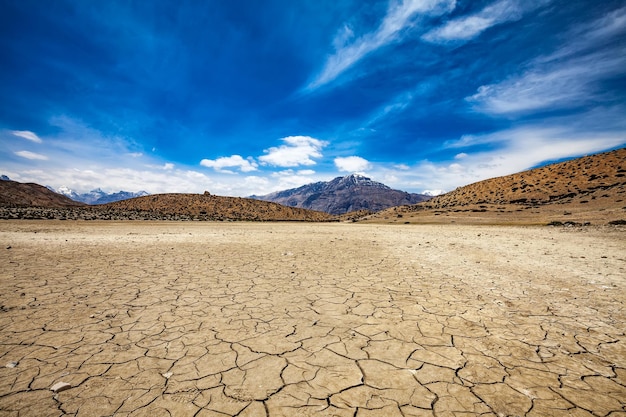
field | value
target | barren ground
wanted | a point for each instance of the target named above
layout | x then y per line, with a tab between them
285	319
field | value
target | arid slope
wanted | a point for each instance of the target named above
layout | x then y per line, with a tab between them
17	194
210	207
588	189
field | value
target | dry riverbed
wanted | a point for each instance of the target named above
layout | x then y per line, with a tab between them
287	319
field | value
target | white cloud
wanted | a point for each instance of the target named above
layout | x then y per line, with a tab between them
297	150
234	161
168	166
306	172
570	77
461	155
400	15
31	155
289	178
433	192
468	27
28	135
352	164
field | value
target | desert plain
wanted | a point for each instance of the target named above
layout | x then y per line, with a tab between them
302	319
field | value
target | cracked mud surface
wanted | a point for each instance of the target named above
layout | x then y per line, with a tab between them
212	319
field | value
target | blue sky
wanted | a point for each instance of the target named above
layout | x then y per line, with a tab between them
245	97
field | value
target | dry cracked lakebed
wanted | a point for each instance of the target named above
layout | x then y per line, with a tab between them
286	319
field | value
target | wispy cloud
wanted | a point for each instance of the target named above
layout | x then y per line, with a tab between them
32	155
297	150
468	27
570	77
590	36
28	135
352	164
399	16
234	161
557	85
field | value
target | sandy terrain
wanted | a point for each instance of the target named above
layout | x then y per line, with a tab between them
278	319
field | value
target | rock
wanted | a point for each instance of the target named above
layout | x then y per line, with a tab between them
60	386
167	375
12	364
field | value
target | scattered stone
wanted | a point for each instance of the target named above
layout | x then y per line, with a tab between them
11	364
60	386
167	375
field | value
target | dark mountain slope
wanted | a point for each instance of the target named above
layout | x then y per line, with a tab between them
343	195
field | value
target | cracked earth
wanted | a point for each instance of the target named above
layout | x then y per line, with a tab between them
259	319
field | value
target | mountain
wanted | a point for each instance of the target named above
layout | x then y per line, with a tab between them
17	194
342	195
98	196
583	190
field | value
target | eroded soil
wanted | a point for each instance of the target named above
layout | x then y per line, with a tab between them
254	319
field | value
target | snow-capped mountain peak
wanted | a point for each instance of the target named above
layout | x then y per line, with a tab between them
97	195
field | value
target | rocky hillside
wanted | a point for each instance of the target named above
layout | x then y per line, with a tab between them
209	207
591	188
17	194
343	195
575	179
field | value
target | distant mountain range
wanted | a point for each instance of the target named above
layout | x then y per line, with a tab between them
97	196
344	194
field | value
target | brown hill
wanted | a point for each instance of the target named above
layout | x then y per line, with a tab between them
17	194
587	189
209	207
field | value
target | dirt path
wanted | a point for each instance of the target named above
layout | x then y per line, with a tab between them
254	319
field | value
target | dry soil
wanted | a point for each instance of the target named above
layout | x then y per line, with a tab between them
284	319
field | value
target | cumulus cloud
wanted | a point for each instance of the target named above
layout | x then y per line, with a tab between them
296	151
233	161
28	135
352	164
400	15
469	27
31	155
